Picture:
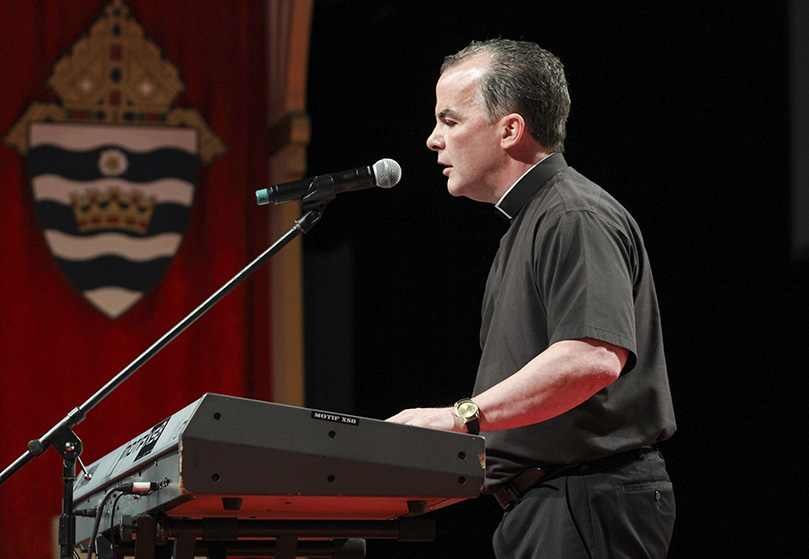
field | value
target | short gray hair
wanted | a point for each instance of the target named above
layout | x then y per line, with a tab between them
526	79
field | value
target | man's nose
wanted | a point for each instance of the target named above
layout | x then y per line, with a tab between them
434	142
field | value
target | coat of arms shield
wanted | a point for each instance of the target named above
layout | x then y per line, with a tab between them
113	204
113	167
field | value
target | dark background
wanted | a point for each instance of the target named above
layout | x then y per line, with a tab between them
681	110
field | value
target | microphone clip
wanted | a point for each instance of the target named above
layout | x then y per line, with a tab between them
319	194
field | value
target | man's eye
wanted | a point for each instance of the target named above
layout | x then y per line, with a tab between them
449	123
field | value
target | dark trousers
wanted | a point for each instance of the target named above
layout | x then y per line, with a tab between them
616	511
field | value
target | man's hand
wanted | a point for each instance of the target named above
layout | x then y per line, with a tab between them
433	418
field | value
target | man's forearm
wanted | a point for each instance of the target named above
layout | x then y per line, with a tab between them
558	379
555	381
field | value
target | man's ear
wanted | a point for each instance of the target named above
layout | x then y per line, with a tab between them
513	130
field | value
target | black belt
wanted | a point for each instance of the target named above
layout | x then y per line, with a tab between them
511	491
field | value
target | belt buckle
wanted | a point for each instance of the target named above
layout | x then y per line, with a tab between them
506	496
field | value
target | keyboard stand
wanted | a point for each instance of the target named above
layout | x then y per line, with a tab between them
155	537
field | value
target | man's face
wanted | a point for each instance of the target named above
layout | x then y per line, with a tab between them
467	145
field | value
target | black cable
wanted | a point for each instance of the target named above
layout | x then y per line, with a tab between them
112	521
125	488
91	548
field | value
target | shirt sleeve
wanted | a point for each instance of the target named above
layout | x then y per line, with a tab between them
583	270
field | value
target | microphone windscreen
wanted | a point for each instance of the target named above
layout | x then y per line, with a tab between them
387	173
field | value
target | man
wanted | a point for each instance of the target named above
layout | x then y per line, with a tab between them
572	390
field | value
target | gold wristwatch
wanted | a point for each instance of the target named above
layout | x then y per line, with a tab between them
468	412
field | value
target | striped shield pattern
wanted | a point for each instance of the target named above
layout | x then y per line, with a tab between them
113	203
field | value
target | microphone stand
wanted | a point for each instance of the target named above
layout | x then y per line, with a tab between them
61	435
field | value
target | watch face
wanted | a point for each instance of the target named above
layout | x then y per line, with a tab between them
467	410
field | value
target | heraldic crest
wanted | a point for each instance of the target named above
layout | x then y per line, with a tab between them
113	167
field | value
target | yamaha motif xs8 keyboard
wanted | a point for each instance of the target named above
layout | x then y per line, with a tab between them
231	457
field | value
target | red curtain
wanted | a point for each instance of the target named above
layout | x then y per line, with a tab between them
56	350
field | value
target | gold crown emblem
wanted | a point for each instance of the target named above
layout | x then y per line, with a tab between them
113	209
116	74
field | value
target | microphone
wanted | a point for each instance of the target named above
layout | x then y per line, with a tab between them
384	173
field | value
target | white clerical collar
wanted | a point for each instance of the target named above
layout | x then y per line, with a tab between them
503	197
